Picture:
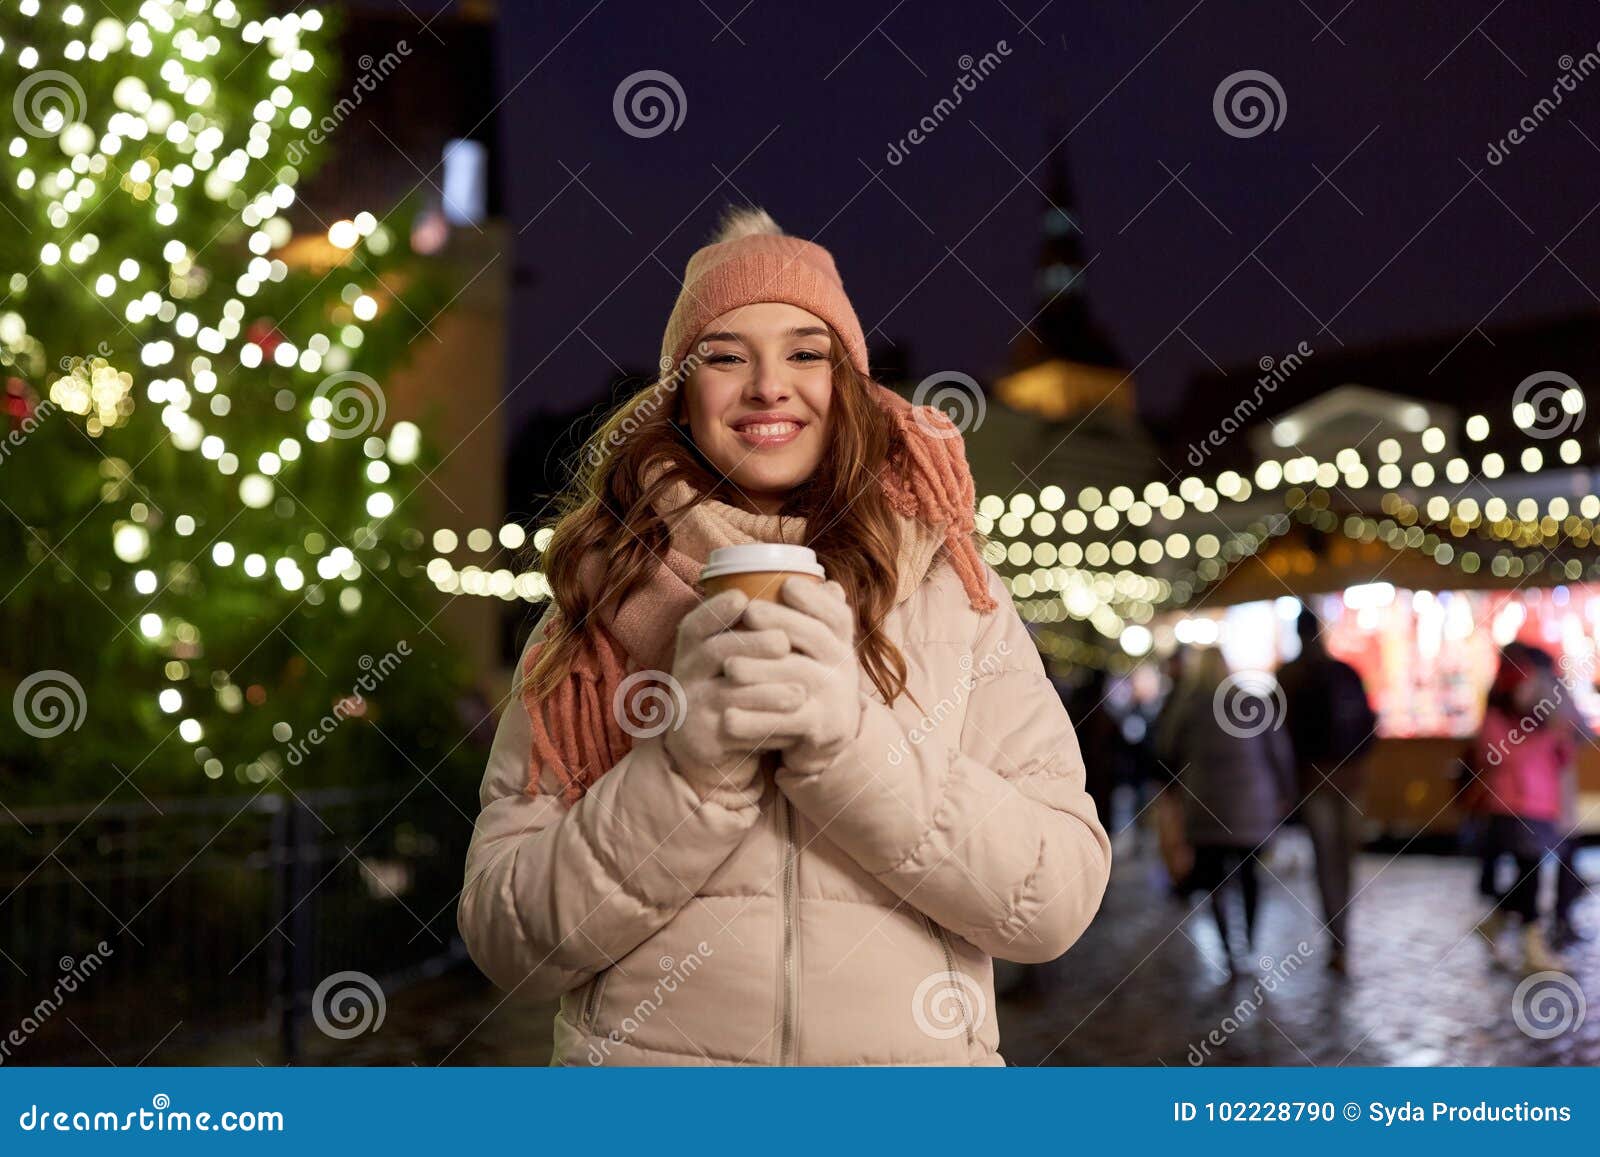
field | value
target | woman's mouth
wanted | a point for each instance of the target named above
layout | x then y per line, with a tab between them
764	435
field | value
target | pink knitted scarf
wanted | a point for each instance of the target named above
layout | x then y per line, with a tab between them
579	729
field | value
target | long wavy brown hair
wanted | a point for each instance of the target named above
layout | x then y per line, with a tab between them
607	507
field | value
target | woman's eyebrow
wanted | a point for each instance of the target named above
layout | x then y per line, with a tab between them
797	331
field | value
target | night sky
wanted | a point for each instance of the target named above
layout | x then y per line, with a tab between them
1358	219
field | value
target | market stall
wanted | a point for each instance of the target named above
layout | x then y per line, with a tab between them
1426	655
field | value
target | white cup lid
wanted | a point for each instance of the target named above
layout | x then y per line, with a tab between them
762	556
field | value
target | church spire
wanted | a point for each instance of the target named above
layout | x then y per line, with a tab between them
1065	325
1063	363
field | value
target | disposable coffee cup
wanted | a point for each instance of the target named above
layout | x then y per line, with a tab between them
759	569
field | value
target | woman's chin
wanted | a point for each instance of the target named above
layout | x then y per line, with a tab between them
771	481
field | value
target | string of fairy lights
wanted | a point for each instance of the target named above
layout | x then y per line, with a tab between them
161	144
1077	560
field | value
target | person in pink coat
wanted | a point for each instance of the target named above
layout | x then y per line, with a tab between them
1519	757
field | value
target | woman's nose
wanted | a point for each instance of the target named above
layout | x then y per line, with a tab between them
767	384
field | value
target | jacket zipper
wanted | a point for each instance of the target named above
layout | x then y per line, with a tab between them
943	939
786	1028
591	1002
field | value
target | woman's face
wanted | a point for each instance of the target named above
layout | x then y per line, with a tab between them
757	402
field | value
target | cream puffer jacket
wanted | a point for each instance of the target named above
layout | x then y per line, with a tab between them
845	918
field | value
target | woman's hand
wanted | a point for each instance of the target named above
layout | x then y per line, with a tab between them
807	702
701	749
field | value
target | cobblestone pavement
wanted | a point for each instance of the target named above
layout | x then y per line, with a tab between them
1147	985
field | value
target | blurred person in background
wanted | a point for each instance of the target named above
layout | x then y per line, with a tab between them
1100	740
822	817
1331	727
1166	808
1570	886
1518	760
1233	764
1146	695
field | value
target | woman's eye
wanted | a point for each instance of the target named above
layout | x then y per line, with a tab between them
804	356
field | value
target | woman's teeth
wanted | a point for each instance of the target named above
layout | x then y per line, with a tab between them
769	435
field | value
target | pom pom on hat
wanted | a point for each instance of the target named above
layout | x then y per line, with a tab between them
745	221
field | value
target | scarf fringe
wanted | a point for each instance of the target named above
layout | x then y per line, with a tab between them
938	489
577	731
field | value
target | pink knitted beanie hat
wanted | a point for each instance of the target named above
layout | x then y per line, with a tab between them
751	259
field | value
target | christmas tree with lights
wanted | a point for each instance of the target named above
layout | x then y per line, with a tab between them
209	572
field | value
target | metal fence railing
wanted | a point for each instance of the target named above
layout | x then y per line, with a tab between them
128	926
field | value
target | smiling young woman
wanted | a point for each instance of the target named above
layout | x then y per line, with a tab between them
846	803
